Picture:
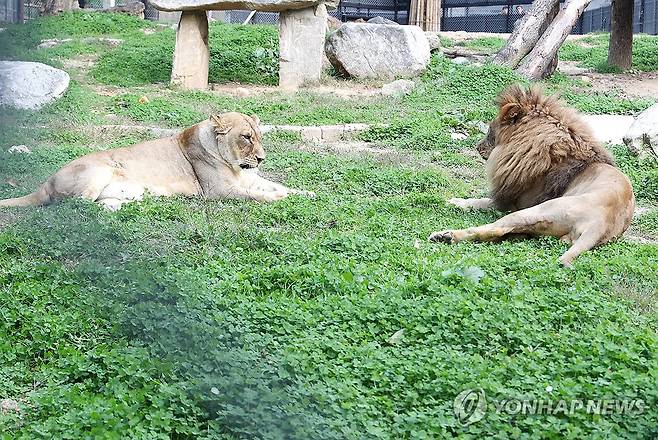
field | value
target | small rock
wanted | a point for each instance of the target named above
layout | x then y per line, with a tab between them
458	136
150	31
144	100
242	92
20	149
111	42
396	337
9	405
586	79
434	41
400	87
2	29
461	61
45	44
382	20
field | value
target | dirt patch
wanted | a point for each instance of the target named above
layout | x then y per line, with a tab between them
626	85
81	62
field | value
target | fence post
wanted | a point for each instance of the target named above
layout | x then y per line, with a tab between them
20	11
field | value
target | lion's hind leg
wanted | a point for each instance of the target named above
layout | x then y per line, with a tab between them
548	218
586	241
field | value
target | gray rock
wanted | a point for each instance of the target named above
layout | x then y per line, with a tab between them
434	40
30	86
400	87
643	133
45	44
381	20
21	149
378	51
461	61
250	5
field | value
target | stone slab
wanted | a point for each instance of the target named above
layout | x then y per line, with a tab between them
191	54
301	46
251	5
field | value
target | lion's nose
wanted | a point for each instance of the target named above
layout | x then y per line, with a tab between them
259	159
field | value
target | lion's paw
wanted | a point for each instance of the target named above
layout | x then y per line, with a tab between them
442	237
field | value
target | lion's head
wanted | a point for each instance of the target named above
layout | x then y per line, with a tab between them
238	139
535	145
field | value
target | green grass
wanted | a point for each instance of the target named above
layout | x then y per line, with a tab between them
593	52
246	54
191	319
485	44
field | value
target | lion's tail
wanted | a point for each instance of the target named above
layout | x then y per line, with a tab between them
37	198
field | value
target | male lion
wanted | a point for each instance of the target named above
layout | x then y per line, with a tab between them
216	158
544	163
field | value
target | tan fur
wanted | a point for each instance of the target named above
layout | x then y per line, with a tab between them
544	163
217	158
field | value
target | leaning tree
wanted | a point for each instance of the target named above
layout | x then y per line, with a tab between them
532	48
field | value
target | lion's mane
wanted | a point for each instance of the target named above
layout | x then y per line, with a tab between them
540	143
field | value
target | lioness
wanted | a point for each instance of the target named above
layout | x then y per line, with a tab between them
543	162
216	158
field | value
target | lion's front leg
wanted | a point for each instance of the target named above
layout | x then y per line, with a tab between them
253	193
490	232
480	204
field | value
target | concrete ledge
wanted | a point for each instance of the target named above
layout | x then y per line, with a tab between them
321	133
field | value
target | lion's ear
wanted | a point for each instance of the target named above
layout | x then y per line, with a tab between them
221	127
256	120
510	113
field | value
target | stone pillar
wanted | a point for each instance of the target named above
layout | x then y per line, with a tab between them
301	46
191	55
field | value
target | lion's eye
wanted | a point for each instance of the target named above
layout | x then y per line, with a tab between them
247	136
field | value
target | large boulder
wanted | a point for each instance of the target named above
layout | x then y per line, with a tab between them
30	86
381	20
642	136
378	51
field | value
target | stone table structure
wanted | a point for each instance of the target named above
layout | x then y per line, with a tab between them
302	28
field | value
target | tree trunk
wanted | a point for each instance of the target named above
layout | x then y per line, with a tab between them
620	52
526	33
540	58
